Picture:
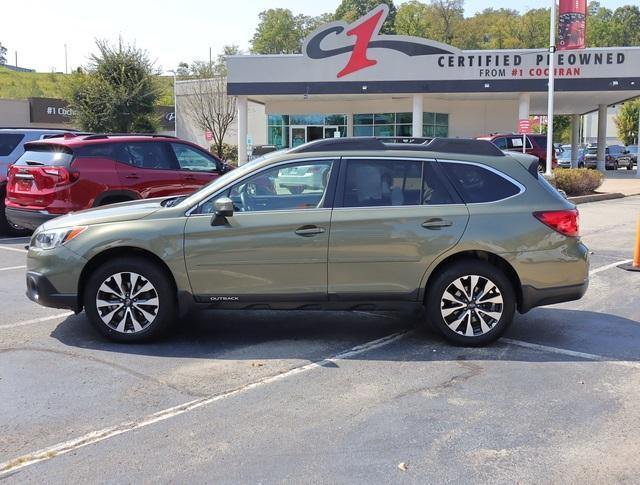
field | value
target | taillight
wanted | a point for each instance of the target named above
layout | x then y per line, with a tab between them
566	222
60	175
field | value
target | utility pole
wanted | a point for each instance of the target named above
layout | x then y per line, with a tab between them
16	58
552	51
66	65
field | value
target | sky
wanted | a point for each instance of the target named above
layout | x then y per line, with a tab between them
171	31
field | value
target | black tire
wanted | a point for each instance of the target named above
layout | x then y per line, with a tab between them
487	273
296	189
113	200
6	227
164	315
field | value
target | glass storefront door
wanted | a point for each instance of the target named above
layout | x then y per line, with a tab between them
297	135
330	132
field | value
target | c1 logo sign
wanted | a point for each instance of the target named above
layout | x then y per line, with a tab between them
366	32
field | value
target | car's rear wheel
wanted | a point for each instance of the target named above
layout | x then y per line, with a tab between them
130	300
471	302
8	228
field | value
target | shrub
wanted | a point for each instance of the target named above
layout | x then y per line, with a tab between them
229	153
577	181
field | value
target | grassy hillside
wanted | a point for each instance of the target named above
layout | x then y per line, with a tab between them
21	85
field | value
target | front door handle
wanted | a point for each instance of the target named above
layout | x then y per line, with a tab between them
132	176
307	231
436	223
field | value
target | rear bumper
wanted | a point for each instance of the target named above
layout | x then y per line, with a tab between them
30	219
41	291
533	297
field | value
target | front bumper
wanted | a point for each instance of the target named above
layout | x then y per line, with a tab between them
29	219
42	291
533	297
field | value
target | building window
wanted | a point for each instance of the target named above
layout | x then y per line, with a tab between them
318	126
399	124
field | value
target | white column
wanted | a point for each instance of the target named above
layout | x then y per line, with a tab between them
602	135
524	102
243	116
416	130
349	124
575	134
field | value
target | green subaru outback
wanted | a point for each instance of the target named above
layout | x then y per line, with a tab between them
455	225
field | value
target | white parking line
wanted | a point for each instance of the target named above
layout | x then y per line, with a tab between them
570	353
608	266
106	433
9	268
15	239
35	320
19	250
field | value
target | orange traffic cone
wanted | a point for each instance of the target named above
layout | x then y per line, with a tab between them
635	263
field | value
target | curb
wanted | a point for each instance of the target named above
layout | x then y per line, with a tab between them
583	199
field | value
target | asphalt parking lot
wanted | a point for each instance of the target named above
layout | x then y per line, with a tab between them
313	397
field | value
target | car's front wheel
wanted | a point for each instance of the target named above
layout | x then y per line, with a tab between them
471	302
130	300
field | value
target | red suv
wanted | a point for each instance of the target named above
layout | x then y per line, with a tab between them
61	175
536	145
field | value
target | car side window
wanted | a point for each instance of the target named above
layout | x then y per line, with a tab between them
285	187
193	160
515	143
151	155
434	188
371	183
501	143
477	184
112	151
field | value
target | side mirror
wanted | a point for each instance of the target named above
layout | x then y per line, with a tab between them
223	207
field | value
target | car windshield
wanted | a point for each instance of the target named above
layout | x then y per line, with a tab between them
564	155
220	182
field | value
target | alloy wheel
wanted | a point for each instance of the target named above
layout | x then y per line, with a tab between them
127	302
472	305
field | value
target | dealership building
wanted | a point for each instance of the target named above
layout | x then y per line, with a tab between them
352	81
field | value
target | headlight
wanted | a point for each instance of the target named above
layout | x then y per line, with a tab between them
56	237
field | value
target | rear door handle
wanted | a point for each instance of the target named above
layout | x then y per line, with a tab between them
436	223
307	231
132	176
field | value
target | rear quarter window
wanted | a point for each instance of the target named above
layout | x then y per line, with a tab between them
477	184
50	155
9	142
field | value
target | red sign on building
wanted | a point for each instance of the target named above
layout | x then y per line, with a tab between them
524	125
572	24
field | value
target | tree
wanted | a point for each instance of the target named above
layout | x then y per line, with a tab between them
415	18
117	92
3	54
206	97
282	32
627	122
449	15
352	10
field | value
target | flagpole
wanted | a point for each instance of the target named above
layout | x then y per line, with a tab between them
552	50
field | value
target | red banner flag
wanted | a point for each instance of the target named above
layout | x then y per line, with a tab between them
572	24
